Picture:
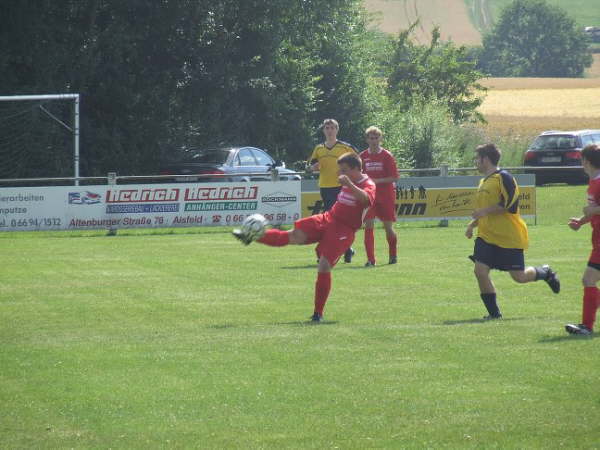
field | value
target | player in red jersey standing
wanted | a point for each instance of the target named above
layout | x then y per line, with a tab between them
590	159
380	165
333	230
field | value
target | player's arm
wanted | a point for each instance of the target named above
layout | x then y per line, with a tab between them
313	161
470	227
575	223
358	193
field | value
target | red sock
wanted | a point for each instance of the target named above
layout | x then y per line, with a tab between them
370	244
590	304
392	243
322	288
275	238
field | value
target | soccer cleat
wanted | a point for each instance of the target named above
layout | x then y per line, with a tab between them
578	329
370	264
494	317
393	259
348	255
552	279
316	318
241	236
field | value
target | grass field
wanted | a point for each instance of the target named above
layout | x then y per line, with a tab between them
451	15
464	20
518	109
188	339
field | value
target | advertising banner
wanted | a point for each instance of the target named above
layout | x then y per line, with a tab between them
147	205
434	198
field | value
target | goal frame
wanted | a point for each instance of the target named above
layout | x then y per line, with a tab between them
74	130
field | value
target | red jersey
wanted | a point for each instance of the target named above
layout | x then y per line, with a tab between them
347	209
381	165
593	195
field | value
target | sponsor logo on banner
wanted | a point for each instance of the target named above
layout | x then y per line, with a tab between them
279	199
84	198
221	193
221	206
142	208
142	195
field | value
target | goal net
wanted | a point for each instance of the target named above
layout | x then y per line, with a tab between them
39	136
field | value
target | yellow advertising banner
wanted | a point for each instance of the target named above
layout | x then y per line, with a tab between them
431	203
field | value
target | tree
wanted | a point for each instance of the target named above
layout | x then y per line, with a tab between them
440	71
534	39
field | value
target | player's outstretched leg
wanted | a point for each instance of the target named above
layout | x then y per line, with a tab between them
546	273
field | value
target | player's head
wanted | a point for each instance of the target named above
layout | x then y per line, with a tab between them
373	135
330	128
591	155
487	154
350	164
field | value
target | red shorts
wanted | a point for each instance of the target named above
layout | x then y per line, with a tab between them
386	212
595	256
333	237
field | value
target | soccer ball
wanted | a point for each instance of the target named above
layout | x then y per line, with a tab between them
254	226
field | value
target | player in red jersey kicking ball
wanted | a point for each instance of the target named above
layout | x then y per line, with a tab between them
333	230
380	166
590	159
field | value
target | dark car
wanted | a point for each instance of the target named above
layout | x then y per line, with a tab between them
229	163
559	148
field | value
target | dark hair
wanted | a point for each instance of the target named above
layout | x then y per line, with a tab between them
491	151
592	154
351	159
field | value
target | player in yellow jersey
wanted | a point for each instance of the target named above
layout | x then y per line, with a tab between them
324	160
502	234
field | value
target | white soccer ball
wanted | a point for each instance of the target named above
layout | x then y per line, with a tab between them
254	226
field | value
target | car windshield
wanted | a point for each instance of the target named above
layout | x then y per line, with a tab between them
554	141
210	156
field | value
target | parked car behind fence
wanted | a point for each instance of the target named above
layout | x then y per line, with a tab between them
559	148
227	164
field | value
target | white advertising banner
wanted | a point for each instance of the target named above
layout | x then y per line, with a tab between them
147	205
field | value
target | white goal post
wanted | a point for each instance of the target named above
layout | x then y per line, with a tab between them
74	129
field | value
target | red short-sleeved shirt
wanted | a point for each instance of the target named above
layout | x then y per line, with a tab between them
593	197
381	165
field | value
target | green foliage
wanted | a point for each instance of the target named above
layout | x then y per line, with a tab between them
439	71
161	76
535	39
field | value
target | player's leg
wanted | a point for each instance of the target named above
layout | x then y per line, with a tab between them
591	301
530	274
370	242
334	242
305	231
484	257
322	288
392	240
487	290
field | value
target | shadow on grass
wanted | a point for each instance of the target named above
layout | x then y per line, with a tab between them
297	323
306	266
304	323
567	337
465	321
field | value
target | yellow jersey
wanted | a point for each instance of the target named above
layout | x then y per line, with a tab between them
327	159
505	229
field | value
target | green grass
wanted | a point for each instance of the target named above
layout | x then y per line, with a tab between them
585	12
187	339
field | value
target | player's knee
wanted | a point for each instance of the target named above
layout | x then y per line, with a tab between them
297	237
519	277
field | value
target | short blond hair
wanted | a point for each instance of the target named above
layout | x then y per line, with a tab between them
373	130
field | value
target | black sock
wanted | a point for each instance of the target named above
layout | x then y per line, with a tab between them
489	300
541	272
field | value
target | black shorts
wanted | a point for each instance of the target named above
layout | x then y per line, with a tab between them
498	257
593	265
329	196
